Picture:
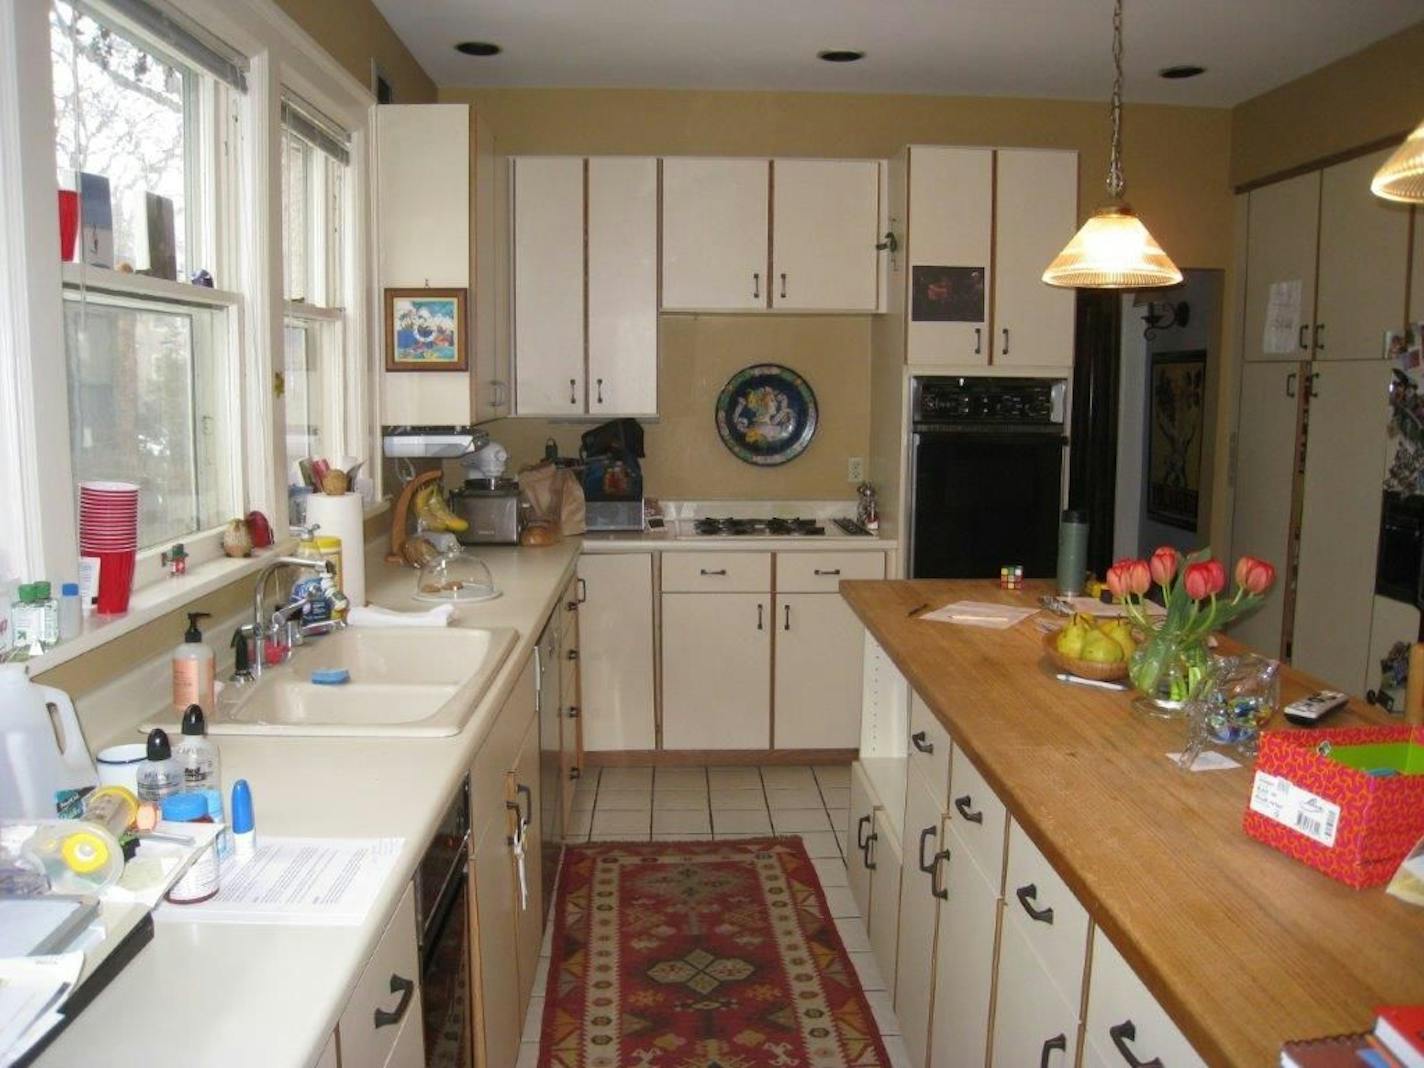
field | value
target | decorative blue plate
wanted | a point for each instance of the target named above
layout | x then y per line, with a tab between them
766	414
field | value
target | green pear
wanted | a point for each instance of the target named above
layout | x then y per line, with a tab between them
1098	648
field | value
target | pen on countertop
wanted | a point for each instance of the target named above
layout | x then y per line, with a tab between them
1063	676
917	609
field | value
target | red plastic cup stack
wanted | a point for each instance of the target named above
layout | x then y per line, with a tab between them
108	531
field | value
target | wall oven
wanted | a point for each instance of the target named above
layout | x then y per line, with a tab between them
986	475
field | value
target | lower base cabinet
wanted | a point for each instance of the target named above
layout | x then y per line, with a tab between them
616	638
862	823
883	920
1125	1023
920	897
381	1026
1033	1025
964	958
716	671
818	672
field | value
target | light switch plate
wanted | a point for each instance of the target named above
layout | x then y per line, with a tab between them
855	469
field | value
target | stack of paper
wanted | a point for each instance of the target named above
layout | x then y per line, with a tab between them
980	614
32	990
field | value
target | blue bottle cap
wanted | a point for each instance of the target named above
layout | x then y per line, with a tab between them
182	808
242	821
69	589
331	677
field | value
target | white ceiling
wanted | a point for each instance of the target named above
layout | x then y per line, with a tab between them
1031	48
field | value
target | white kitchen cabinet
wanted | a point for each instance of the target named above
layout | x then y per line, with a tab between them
964	957
716	670
818	672
862	823
1033	1025
979	816
929	750
571	710
825	226
1036	193
548	293
1039	902
1339	530
386	997
950	228
622	285
882	923
1124	1020
616	651
1265	485
714	228
1281	236
496	948
409	1048
528	901
920	898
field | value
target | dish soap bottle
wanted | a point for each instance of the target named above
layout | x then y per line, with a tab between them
194	667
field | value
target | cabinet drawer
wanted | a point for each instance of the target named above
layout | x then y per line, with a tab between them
978	815
366	1039
1124	1018
929	749
1042	907
817	572
717	572
1032	1024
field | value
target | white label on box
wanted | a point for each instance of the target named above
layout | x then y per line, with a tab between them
1281	800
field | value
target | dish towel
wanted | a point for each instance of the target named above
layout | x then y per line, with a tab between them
372	616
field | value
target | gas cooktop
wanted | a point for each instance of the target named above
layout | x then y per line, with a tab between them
738	527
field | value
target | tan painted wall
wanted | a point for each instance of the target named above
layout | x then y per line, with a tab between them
1373	94
354	32
1176	164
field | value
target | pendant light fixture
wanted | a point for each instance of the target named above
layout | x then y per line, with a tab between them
1113	250
1402	176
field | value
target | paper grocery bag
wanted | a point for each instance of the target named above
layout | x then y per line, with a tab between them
571	503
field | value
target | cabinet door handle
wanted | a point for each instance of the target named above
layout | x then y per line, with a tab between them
526	801
926	866
406	989
961	805
920	740
1005	352
860	826
573	395
583	591
761	617
1315	377
827	571
1290	384
1057	1044
575	773
571	606
1319	335
1123	1033
786	618
1027	895
572	654
600	391
1303	328
711	572
756	285
783	285
869	843
573	712
978	341
935	889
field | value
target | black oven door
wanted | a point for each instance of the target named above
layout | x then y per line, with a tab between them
982	498
445	981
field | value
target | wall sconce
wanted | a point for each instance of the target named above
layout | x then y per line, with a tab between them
1161	314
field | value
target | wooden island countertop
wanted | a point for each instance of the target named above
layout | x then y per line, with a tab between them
1244	947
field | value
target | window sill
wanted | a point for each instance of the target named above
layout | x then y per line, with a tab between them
104	280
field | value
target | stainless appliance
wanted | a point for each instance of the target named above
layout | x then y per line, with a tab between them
745	527
986	475
491	506
442	902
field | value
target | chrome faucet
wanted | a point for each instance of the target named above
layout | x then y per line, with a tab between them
259	630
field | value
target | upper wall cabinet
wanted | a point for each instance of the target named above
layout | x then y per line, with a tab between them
585	254
786	235
437	185
982	225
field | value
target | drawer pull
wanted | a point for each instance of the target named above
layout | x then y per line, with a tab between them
870	840
572	606
921	742
709	571
860	826
787	625
582	590
572	654
575	773
935	889
1123	1033
961	805
573	712
926	866
826	571
1028	894
406	989
1057	1044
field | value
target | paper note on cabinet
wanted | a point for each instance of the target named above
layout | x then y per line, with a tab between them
1282	318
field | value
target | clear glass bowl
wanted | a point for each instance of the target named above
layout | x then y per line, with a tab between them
458	575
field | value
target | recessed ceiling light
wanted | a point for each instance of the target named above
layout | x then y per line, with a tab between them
478	48
840	55
1181	70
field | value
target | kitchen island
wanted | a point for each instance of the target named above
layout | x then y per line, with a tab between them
1243	947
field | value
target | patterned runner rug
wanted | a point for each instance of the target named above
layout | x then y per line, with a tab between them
701	955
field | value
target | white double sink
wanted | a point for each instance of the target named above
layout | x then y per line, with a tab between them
405	682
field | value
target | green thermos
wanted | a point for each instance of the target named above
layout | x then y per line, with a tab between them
1072	552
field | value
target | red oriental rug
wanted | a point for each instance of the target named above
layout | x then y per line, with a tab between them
701	955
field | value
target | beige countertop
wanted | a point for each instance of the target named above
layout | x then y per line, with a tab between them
665	541
268	995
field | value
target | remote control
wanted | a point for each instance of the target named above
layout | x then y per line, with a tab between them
1309	711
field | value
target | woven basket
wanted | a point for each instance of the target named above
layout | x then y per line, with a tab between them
1084	669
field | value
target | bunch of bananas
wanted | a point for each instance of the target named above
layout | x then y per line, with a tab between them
433	511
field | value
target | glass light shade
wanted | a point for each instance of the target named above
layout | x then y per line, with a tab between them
1402	176
1113	250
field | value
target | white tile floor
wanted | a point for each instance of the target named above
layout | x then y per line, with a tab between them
667	804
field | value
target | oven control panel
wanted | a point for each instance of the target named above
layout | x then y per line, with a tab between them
975	401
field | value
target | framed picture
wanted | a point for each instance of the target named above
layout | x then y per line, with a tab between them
947	294
1177	382
426	330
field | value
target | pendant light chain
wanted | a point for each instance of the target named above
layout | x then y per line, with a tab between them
1115	183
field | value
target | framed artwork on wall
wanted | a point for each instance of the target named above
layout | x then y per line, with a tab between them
427	330
1176	409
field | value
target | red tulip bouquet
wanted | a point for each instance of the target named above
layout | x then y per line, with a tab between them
1169	664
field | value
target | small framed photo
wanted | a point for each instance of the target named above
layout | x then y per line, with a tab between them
427	330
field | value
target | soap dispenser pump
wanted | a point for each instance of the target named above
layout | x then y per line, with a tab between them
194	667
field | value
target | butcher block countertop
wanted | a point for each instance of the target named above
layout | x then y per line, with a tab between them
1243	947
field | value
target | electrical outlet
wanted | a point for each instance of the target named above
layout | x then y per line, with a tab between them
855	469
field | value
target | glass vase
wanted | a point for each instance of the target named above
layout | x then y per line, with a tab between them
1166	670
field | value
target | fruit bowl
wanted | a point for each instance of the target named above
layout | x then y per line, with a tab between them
1115	671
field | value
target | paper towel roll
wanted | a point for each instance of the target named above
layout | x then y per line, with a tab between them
342	517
